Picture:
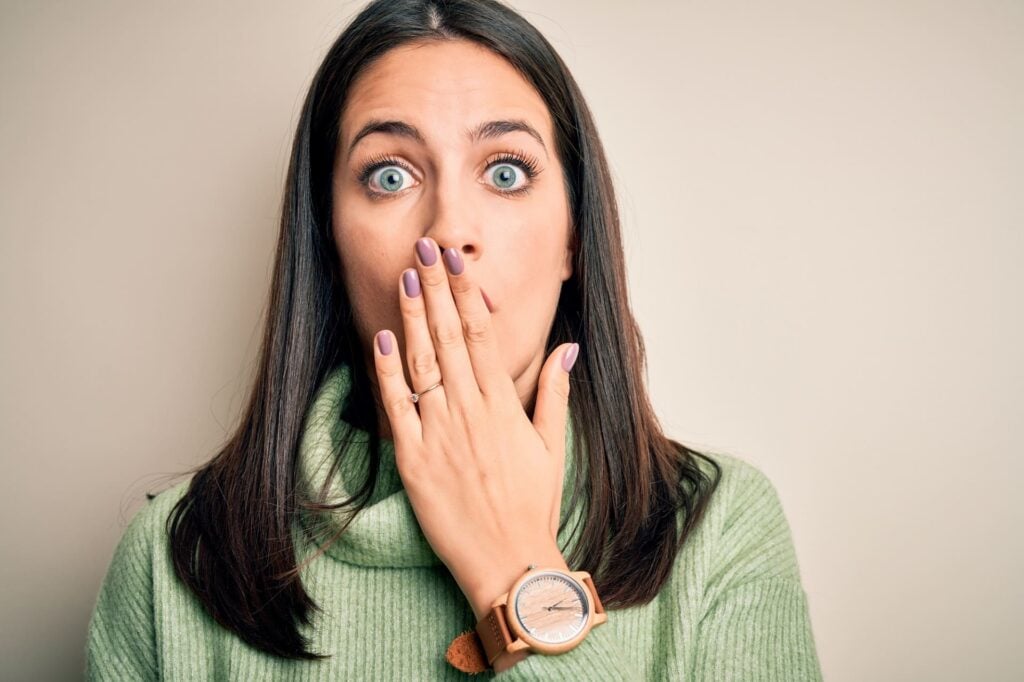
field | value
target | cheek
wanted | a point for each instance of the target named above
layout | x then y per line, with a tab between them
537	255
366	257
371	276
534	277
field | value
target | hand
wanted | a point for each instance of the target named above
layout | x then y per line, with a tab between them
484	481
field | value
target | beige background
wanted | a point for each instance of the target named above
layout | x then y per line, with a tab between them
823	212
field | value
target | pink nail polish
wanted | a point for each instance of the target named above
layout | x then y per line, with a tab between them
569	359
425	250
453	260
384	342
411	283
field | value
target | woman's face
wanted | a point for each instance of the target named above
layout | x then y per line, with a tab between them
427	175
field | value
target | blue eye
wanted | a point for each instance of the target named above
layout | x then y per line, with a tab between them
504	173
390	181
390	178
505	176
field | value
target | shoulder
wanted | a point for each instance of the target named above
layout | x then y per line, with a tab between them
742	485
144	536
122	629
746	524
741	589
150	520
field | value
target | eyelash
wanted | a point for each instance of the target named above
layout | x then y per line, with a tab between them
519	158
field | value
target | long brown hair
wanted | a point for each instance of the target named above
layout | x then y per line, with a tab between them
231	532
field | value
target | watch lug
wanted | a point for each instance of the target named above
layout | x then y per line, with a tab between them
518	645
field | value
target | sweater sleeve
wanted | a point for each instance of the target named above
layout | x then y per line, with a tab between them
121	638
755	624
599	657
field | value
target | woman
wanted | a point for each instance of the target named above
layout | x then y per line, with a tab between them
450	264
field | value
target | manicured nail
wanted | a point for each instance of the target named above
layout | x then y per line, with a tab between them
453	260
384	342
569	359
426	251
411	283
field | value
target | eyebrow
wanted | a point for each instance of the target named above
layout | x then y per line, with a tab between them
484	131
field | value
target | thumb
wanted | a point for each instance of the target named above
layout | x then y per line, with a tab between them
552	404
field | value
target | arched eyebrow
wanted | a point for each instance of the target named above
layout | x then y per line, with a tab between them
483	131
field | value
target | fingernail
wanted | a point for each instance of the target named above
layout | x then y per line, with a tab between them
411	283
426	252
453	260
569	359
384	342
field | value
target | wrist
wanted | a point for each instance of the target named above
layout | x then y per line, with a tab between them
489	584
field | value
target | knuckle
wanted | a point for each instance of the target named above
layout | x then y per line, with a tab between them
460	285
561	388
390	370
423	361
447	337
476	329
413	310
399	405
432	279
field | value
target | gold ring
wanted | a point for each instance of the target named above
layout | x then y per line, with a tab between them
415	397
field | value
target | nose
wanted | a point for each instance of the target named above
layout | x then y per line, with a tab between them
464	251
457	232
456	225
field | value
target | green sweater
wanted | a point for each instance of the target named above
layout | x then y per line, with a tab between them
733	609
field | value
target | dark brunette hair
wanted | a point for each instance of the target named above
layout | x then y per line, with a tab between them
231	532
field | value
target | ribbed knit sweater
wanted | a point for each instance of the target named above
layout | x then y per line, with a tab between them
733	609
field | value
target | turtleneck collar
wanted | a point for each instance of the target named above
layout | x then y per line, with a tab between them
386	532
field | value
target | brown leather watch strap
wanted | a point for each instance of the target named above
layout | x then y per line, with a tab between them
466	653
494	633
474	651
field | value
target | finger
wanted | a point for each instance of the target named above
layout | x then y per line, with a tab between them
552	405
394	391
477	328
420	356
550	416
444	325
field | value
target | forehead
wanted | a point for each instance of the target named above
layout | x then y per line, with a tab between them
443	89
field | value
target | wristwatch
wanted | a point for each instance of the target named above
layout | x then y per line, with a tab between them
546	611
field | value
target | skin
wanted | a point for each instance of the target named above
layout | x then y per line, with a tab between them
518	246
482	456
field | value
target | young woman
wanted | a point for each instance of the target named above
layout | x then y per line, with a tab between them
449	431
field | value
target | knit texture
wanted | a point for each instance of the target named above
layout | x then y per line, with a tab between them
733	609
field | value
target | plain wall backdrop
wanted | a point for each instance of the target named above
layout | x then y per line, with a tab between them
823	214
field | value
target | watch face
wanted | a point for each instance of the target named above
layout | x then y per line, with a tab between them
551	607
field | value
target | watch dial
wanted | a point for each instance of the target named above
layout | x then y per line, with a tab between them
551	607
